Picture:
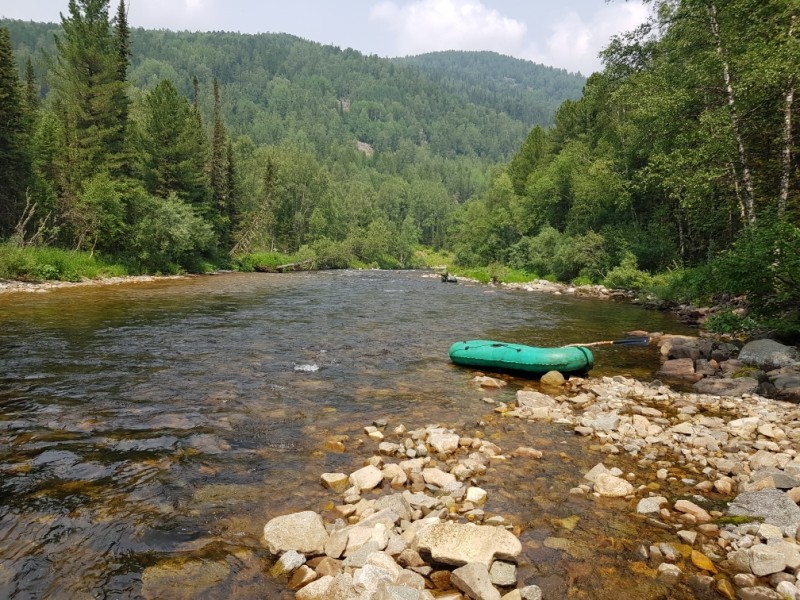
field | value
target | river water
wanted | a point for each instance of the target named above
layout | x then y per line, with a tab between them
148	431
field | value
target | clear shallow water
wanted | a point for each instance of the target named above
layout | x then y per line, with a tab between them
148	431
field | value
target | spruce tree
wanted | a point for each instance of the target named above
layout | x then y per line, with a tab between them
14	163
217	170
121	103
88	91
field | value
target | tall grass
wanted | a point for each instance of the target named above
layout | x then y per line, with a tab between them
44	263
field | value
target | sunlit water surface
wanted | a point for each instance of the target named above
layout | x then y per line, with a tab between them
148	431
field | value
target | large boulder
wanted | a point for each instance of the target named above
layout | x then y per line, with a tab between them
461	544
726	387
303	532
774	506
769	354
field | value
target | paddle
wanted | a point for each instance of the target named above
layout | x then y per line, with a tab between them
631	341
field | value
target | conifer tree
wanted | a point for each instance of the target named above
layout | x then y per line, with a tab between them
217	169
88	90
121	103
14	163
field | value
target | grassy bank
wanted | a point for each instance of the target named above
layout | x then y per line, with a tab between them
46	263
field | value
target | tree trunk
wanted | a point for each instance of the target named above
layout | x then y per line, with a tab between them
747	179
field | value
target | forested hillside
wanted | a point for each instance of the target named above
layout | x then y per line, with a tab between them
246	142
524	90
681	158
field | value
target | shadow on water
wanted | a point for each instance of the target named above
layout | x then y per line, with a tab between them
147	432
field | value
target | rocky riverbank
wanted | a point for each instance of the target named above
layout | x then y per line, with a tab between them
719	474
39	287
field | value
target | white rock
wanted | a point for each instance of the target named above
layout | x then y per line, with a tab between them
438	477
476	495
366	478
765	560
338	482
460	544
612	487
303	531
443	441
650	505
474	580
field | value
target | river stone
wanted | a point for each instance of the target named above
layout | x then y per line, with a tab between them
474	580
531	399
726	387
611	487
679	368
669	574
690	508
650	505
766	560
503	573
401	592
288	562
338	482
443	441
553	378
531	592
183	579
366	478
774	506
438	477
769	354
369	577
460	544
303	531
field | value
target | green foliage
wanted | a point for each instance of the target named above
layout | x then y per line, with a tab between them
627	275
39	263
248	263
168	234
728	321
14	156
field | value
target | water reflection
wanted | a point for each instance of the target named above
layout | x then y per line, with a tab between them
154	428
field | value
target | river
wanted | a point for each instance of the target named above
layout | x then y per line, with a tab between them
148	431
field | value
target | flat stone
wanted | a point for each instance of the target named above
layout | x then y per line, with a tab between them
401	592
366	478
474	580
369	577
460	544
726	387
438	477
774	506
531	592
302	577
530	399
303	531
688	507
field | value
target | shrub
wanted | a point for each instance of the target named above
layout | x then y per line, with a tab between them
627	275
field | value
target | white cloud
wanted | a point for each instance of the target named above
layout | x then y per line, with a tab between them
430	25
575	41
190	14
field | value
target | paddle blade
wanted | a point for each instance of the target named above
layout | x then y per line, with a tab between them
633	341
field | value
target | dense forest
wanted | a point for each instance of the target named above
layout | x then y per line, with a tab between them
675	171
174	150
680	159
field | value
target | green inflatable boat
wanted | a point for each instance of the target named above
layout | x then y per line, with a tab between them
516	357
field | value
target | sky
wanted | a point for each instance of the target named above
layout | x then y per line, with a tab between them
567	34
